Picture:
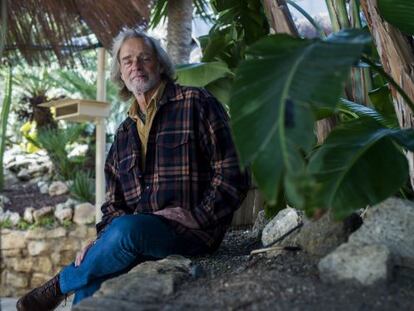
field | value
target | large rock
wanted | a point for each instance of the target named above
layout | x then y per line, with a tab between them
361	263
23	175
259	224
43	212
12	239
63	213
84	214
389	223
28	214
16	279
319	237
141	288
281	225
12	217
58	188
36	248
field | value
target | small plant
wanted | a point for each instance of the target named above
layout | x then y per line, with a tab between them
6	224
23	225
47	222
67	223
83	187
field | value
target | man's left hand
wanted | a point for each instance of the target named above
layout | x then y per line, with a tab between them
179	215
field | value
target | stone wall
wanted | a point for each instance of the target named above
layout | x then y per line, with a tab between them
29	258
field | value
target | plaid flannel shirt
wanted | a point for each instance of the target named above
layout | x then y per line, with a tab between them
191	163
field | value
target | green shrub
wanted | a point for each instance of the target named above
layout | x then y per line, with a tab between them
83	187
54	141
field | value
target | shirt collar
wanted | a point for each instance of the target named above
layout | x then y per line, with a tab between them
155	99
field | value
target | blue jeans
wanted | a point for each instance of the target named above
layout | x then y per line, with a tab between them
125	242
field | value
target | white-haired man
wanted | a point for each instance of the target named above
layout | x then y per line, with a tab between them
172	176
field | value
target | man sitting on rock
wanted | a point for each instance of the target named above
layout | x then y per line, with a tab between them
172	176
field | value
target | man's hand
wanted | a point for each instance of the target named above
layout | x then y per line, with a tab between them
180	215
82	253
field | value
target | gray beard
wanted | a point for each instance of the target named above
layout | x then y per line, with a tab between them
140	88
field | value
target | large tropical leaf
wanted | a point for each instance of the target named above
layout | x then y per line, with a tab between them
276	89
359	110
201	74
358	165
399	13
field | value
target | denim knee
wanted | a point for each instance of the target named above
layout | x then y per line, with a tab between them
131	229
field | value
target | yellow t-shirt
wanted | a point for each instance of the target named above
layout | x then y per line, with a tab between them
145	127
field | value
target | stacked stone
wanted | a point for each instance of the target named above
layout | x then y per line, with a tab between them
29	258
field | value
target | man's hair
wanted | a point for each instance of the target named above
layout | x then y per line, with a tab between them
164	61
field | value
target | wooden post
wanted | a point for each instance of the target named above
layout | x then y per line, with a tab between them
100	138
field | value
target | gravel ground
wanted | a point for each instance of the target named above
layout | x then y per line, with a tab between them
23	195
233	280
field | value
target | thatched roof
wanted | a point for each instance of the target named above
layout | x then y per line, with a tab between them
39	29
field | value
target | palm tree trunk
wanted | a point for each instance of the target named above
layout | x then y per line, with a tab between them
279	17
180	13
397	57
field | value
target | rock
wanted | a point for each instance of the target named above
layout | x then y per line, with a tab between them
84	214
9	178
4	200
12	240
13	217
259	224
56	233
44	189
21	265
140	288
78	150
42	213
145	283
79	232
282	224
37	248
28	215
23	175
10	253
58	188
36	170
36	234
362	263
390	223
43	265
319	237
38	279
16	279
64	215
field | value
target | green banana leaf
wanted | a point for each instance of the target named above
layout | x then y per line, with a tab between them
348	106
201	74
359	164
276	90
399	13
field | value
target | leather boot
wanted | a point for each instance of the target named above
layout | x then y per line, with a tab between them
44	298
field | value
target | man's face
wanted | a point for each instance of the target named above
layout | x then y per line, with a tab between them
140	70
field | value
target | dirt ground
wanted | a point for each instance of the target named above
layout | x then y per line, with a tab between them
25	194
233	280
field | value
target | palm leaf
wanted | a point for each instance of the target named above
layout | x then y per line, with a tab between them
359	164
399	13
276	89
